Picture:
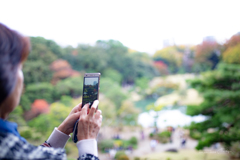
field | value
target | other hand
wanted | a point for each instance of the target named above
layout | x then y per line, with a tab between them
67	125
89	124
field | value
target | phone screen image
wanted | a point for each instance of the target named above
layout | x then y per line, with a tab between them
90	90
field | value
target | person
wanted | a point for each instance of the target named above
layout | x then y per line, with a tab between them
14	49
153	144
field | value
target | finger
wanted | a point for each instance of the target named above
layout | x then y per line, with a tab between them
97	114
75	116
100	121
77	108
93	108
84	110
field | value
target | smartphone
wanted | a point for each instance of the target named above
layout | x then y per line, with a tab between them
90	94
90	88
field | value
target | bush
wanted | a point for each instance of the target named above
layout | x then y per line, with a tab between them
165	134
26	134
235	150
105	144
133	141
151	135
162	137
121	155
195	134
136	158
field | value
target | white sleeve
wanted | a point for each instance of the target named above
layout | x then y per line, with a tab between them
87	146
58	139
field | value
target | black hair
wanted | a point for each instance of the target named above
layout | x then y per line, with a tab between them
14	49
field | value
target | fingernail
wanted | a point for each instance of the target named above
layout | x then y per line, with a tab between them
86	105
95	104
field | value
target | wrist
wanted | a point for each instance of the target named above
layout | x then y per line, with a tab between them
63	129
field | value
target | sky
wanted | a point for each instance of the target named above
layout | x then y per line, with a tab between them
141	25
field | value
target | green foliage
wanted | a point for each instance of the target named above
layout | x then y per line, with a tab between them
26	134
41	124
127	114
142	83
66	100
162	137
195	134
232	55
110	58
109	111
221	95
172	56
72	86
39	91
133	141
17	116
113	91
25	103
112	74
36	71
121	155
235	150
45	123
51	45
105	144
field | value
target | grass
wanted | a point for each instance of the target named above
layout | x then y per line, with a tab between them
186	155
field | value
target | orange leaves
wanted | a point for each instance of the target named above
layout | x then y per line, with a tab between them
62	69
38	107
204	50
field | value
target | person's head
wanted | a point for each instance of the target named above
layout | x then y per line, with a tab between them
14	49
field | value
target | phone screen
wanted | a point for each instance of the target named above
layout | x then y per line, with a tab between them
90	90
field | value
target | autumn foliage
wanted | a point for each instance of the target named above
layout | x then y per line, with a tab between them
38	107
62	69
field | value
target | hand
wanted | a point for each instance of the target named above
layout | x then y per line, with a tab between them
67	125
89	124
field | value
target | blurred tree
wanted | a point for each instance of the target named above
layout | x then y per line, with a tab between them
39	91
66	100
172	56
36	71
87	58
111	55
232	54
233	41
62	69
109	111
127	114
113	75
220	90
17	116
113	91
206	56
142	83
50	44
72	86
25	103
43	53
45	123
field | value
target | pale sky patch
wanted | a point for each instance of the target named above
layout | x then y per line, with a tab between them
139	25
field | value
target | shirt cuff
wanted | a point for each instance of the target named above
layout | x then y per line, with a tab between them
87	146
58	139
